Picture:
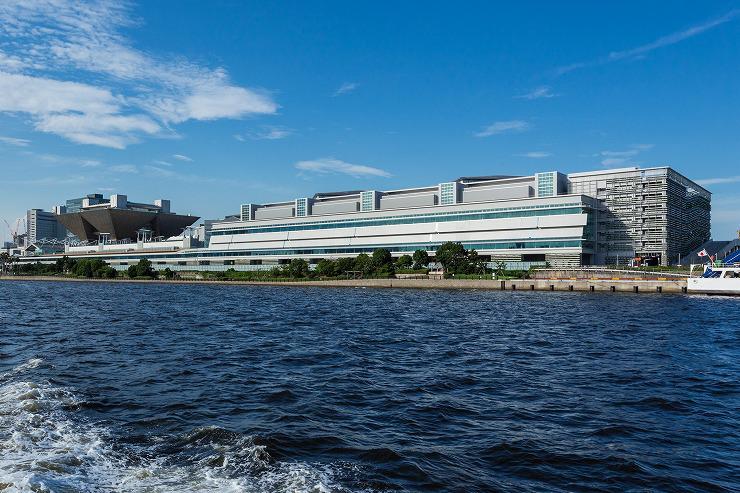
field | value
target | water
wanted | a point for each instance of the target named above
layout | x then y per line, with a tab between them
185	388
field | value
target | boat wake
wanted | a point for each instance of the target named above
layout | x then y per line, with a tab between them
45	445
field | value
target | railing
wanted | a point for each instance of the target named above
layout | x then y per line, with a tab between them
616	271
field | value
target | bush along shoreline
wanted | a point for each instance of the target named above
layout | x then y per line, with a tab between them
456	261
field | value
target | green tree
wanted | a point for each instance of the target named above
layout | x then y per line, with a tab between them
65	265
169	273
421	259
404	262
383	261
142	269
364	264
475	264
453	257
344	264
500	268
4	262
326	268
84	268
298	268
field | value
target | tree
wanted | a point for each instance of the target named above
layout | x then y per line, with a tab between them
382	260
4	260
326	268
298	268
500	268
476	265
84	268
364	264
344	265
404	262
421	259
453	257
65	265
142	269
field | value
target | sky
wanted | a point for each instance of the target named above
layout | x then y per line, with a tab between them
214	104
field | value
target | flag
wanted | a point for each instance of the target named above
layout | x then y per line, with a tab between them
703	253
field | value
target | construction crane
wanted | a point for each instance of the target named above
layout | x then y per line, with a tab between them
14	229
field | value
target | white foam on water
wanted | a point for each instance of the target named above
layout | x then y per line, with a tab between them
28	365
44	447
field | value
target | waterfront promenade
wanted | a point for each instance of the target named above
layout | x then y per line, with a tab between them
615	284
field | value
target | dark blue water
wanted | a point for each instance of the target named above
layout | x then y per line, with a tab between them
129	387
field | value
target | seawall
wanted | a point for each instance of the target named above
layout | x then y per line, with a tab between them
592	285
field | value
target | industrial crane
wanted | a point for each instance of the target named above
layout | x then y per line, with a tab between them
14	229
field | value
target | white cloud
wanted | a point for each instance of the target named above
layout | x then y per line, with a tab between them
346	88
718	181
134	94
268	132
124	168
108	130
541	92
182	157
641	51
15	141
331	165
622	158
162	163
535	154
502	127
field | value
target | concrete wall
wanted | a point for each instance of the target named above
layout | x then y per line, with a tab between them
274	212
407	200
481	194
335	207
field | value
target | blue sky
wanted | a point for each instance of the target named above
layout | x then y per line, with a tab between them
214	104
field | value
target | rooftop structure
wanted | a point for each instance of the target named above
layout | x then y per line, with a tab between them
117	219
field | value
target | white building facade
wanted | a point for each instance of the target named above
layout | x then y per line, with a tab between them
547	218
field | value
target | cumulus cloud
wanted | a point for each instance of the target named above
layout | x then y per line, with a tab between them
503	127
48	47
346	88
331	165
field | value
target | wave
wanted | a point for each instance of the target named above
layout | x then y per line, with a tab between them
45	446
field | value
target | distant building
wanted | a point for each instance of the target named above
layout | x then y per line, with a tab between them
43	225
116	219
75	205
564	220
653	213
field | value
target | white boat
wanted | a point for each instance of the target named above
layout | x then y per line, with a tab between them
718	277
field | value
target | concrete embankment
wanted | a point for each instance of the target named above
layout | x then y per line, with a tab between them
572	284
